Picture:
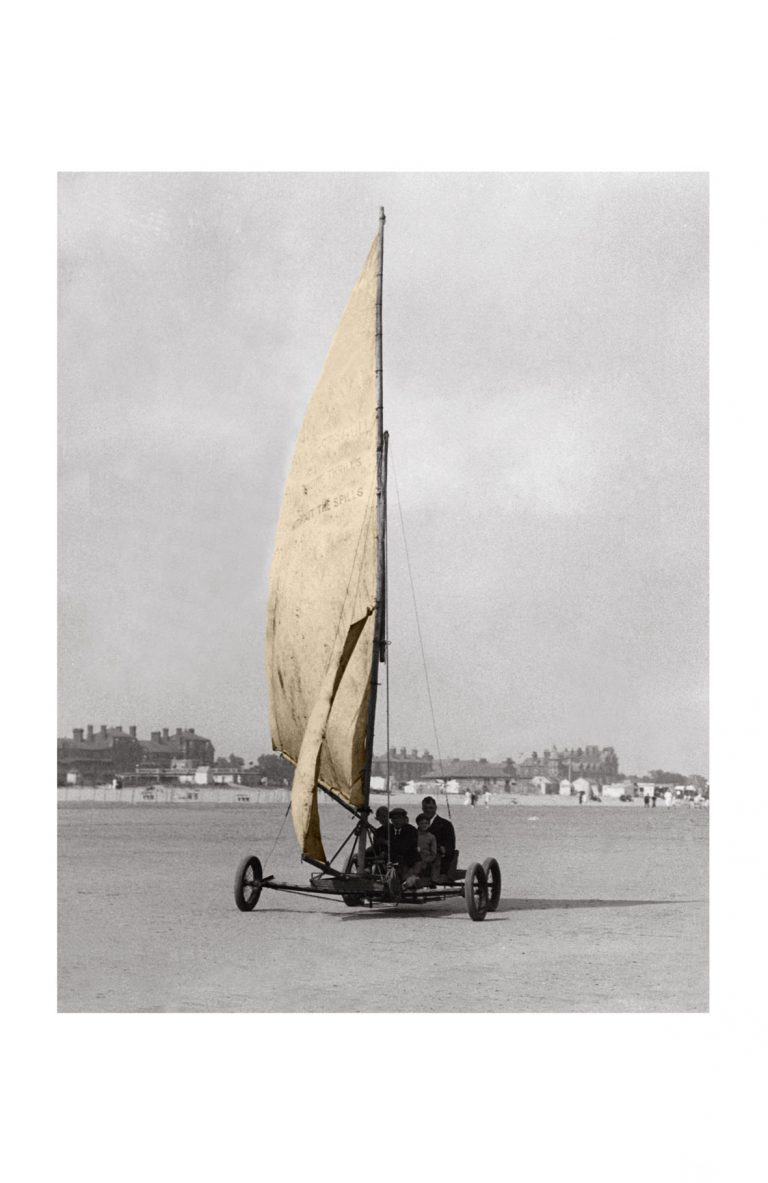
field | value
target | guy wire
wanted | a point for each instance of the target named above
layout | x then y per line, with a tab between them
279	832
421	642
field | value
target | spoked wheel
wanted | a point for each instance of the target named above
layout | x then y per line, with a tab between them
493	876
476	892
248	883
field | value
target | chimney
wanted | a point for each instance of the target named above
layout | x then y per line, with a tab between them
103	729
165	733
132	731
155	737
191	731
414	753
77	735
90	730
178	731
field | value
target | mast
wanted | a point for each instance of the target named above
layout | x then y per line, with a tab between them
379	642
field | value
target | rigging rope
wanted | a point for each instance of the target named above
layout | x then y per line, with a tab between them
279	832
421	642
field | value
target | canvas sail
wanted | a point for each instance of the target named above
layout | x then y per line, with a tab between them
320	622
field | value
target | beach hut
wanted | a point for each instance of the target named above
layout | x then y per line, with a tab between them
618	791
587	787
566	788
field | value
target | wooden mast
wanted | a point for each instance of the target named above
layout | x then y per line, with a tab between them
379	643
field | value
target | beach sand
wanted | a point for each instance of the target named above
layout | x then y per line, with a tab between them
603	908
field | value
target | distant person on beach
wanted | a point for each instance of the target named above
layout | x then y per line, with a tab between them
443	831
646	798
426	867
581	796
487	798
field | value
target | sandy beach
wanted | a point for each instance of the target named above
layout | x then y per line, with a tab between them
602	909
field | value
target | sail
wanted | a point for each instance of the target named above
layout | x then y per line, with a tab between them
322	596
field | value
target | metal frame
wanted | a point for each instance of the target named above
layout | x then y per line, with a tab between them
370	889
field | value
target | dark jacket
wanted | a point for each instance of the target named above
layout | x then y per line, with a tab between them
445	836
404	846
380	838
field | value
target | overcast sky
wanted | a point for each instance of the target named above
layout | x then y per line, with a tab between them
545	386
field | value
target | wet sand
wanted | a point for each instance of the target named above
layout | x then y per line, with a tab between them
603	908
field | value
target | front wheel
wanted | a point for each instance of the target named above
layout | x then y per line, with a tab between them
493	877
248	883
476	892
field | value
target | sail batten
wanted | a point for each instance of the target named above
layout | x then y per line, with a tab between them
323	583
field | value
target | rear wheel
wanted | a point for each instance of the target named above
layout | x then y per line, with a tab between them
476	892
493	877
248	883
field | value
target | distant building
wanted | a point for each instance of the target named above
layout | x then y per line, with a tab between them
524	786
96	757
476	775
597	764
163	751
403	767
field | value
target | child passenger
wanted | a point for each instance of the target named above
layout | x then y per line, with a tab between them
428	856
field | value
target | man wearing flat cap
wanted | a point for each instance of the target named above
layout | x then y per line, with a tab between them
403	840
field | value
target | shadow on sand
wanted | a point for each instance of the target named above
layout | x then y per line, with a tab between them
443	909
452	906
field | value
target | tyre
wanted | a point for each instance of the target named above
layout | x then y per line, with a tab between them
493	877
248	883
476	892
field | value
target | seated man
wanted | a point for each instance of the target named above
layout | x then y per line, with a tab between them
403	842
380	836
382	817
444	834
